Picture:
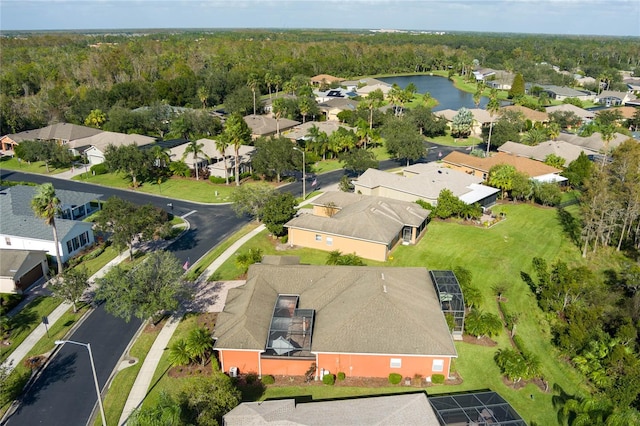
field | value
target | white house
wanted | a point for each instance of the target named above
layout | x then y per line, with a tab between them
21	229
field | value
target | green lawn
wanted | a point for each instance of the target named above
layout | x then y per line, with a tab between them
494	256
26	321
449	140
202	191
12	163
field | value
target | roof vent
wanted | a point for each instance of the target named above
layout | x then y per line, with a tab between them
384	288
382	275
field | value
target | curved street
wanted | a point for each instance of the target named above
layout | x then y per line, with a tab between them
64	393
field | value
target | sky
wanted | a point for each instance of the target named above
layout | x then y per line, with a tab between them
593	17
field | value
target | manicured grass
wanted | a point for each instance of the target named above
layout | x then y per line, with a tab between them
12	163
118	392
97	263
211	255
449	140
330	392
202	191
26	321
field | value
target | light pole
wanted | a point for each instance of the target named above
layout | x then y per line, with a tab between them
304	175
93	369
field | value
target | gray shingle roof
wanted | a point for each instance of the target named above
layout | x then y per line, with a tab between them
539	152
265	125
358	309
407	410
593	142
19	220
12	260
363	217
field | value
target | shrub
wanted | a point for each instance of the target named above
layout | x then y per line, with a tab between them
341	375
395	378
517	340
437	379
218	180
329	379
268	380
251	378
99	169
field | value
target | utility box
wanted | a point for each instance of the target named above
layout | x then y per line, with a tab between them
233	372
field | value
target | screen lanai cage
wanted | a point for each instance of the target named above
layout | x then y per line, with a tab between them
451	300
476	408
291	329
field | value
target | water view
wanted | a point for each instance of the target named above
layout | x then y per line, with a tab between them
440	88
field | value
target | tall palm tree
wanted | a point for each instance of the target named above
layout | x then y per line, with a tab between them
237	133
222	143
160	156
46	205
268	79
194	148
493	107
305	104
202	96
278	108
253	84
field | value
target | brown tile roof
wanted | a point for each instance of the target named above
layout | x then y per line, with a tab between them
358	309
528	113
326	78
531	168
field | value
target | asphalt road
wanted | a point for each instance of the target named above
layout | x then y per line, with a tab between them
64	394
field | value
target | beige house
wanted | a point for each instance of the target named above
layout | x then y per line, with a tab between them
540	152
321	79
263	125
333	107
528	113
425	182
480	118
20	269
301	131
368	226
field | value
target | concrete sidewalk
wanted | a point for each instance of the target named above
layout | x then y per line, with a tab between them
40	331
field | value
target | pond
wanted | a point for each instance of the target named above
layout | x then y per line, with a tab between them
448	96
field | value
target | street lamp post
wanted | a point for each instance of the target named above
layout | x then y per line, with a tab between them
93	369
304	175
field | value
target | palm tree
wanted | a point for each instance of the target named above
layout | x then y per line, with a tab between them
194	148
237	133
305	104
534	136
161	156
46	205
253	84
221	145
203	95
608	132
493	107
268	79
179	354
277	82
277	108
553	130
199	344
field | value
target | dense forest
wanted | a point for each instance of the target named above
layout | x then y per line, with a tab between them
53	77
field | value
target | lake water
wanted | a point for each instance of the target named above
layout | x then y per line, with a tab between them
440	88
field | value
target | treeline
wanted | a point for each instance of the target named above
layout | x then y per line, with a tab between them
63	77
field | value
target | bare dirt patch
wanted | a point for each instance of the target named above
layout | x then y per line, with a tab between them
482	341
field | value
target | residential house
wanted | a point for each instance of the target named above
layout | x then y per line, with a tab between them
337	93
481	117
585	115
528	113
364	321
21	229
63	133
407	409
633	83
354	85
301	131
584	80
501	80
480	167
333	107
483	74
324	79
263	125
213	159
614	98
561	93
93	147
595	142
366	90
20	269
425	181
267	104
368	226
540	152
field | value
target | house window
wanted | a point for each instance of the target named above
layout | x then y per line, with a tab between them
396	363
84	238
7	241
329	241
318	237
438	365
69	247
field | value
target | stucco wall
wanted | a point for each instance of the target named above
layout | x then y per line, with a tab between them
286	366
380	365
246	361
365	249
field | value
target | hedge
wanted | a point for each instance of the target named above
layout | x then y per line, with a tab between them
268	380
99	169
395	378
437	379
329	379
341	375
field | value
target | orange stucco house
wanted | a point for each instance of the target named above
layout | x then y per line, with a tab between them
367	225
363	321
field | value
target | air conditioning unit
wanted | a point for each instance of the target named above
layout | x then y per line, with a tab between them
233	372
